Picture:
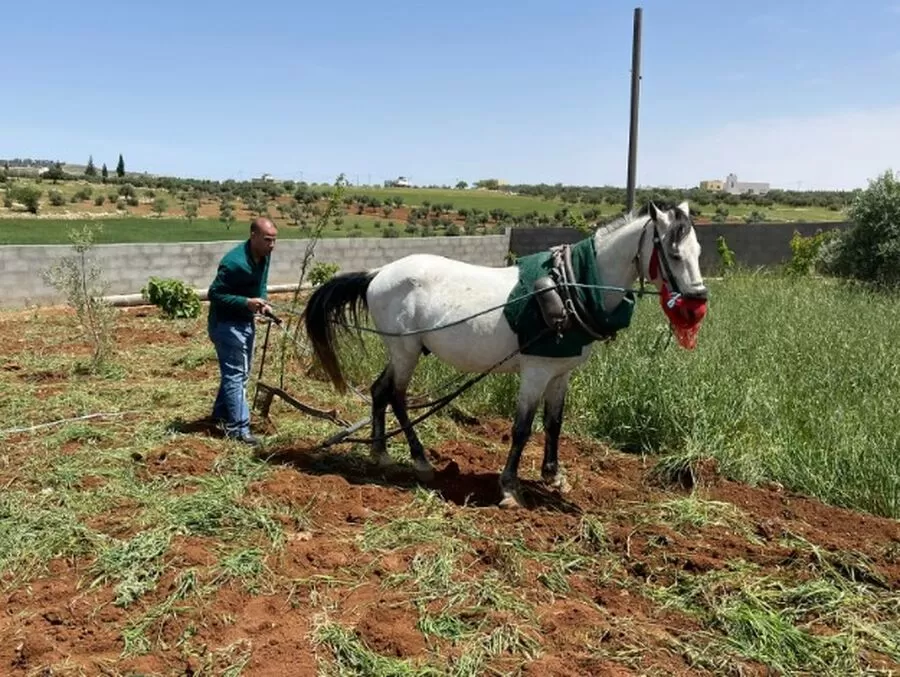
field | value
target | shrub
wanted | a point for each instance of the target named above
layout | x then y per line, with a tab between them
320	273
174	297
99	200
870	250
726	255
755	216
805	251
28	195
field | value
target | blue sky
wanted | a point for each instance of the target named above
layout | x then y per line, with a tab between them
804	94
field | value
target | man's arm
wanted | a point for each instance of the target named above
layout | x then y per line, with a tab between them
264	282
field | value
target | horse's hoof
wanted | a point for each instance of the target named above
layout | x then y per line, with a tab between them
382	459
558	482
424	471
510	501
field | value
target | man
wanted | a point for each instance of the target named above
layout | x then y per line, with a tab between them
238	292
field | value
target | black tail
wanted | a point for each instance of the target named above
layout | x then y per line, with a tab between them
336	302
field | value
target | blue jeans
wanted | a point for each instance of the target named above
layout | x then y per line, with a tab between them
234	348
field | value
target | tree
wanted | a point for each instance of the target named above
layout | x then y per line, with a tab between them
160	205
120	168
55	173
84	287
104	173
870	250
226	214
462	185
90	170
191	208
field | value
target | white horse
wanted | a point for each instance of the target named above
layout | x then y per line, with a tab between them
412	295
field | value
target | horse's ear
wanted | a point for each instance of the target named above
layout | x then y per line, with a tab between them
654	212
684	209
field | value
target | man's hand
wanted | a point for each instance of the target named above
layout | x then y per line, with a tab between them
257	305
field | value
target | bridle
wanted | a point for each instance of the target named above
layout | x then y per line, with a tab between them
658	257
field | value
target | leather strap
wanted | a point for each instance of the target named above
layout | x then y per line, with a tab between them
562	268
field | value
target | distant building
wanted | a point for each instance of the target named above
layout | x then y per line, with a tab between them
399	182
735	187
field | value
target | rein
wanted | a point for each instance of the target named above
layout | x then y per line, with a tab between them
415	332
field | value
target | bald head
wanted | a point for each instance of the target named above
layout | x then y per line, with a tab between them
261	223
263	234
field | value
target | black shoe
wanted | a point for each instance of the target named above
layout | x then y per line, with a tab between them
245	438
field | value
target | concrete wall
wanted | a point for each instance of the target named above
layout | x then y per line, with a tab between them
754	244
127	267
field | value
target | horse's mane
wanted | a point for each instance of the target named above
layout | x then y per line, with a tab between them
605	229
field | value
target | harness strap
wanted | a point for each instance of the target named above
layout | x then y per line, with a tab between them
562	269
660	258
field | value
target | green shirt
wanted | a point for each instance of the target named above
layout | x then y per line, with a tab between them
238	279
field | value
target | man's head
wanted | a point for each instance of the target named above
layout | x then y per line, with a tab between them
263	234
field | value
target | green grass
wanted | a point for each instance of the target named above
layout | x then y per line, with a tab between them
821	624
777	213
792	381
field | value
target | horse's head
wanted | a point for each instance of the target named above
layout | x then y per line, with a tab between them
670	259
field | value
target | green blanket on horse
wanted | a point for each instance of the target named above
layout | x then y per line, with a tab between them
525	318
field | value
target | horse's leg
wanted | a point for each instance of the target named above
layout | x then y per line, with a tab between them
381	395
554	404
404	357
423	468
534	382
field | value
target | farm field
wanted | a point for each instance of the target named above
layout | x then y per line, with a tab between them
439	212
137	229
737	519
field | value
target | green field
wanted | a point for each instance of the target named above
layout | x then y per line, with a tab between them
137	223
150	229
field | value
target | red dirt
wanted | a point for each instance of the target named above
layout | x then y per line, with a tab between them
60	617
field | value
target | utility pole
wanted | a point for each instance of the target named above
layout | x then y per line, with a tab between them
635	97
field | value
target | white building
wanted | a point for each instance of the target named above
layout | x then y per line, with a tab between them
735	187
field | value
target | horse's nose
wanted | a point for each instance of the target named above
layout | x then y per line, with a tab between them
701	293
